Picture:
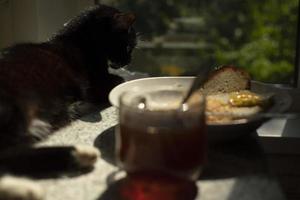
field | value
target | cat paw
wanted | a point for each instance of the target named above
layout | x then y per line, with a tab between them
85	156
80	109
12	188
39	129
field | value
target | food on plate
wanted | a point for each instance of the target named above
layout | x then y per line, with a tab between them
229	96
220	110
245	98
227	79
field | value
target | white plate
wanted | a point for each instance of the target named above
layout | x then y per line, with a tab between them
282	102
146	84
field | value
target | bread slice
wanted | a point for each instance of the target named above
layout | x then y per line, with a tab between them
227	79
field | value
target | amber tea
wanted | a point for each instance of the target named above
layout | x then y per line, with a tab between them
158	135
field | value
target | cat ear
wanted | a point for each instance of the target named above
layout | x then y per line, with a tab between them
124	20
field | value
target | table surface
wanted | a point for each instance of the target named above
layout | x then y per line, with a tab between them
234	171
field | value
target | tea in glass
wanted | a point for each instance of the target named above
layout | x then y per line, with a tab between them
158	135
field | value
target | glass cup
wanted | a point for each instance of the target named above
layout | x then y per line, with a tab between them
160	136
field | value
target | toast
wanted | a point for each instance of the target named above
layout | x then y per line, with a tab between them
227	79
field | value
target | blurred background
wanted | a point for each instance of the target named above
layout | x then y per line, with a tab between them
179	37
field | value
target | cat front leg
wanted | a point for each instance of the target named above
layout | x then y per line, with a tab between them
99	89
39	129
80	108
39	161
48	161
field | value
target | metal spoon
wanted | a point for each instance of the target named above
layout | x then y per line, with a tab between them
197	83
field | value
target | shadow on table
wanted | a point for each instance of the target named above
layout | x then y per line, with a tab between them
149	188
105	142
239	157
88	112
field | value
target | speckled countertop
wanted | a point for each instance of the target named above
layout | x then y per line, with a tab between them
235	171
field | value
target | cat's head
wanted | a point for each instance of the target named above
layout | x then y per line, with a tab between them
123	40
102	32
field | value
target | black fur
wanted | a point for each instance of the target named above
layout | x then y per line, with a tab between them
39	82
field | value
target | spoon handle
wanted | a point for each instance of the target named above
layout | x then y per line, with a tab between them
197	83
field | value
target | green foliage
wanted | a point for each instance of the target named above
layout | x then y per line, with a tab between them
255	57
258	35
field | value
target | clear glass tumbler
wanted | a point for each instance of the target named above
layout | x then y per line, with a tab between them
158	135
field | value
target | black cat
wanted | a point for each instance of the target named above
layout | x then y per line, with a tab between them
39	83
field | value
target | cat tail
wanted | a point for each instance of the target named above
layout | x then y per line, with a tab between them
49	161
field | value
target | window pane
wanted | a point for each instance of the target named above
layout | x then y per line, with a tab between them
179	37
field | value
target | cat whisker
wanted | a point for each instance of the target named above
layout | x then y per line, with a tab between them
139	44
137	47
142	39
139	34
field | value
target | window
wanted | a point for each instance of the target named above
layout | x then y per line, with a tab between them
180	37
